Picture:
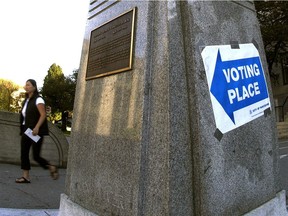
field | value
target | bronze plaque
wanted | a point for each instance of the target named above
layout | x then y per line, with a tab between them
111	47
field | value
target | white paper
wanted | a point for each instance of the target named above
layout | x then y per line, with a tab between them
35	138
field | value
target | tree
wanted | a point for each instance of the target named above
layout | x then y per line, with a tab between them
59	92
70	88
68	95
18	98
6	98
273	20
53	87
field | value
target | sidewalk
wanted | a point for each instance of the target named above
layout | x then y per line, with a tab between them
40	197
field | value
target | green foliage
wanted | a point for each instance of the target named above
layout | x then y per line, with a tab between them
8	101
53	87
273	20
59	91
16	103
55	116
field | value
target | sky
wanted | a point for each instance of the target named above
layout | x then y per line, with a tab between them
37	33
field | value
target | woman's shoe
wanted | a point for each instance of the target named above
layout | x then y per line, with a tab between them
54	173
22	180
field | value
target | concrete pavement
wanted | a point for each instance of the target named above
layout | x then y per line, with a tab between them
40	197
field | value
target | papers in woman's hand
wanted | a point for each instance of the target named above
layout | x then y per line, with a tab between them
35	138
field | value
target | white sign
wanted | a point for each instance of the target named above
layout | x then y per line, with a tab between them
237	84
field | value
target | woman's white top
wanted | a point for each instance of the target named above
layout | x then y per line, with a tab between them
39	100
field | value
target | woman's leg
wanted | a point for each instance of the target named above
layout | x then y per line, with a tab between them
42	162
25	162
25	148
36	154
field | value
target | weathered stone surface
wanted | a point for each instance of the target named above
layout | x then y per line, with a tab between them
143	141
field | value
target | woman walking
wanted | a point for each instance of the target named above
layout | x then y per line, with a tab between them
33	116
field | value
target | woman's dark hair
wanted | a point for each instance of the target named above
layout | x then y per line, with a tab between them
33	82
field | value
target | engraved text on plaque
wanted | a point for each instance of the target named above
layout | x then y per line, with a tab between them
111	44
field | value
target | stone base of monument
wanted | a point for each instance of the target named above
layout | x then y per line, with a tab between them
68	207
274	207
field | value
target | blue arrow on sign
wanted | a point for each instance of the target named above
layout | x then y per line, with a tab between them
238	83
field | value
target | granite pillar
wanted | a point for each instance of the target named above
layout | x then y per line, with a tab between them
143	140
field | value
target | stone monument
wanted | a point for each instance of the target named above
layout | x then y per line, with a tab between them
146	139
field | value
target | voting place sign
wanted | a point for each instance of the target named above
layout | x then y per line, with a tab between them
237	84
